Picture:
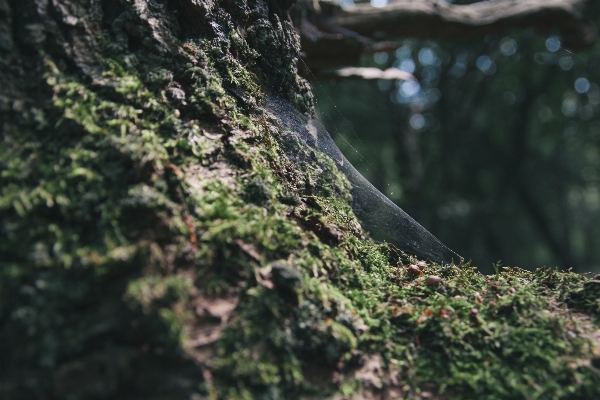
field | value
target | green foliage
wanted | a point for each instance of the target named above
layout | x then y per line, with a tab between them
495	152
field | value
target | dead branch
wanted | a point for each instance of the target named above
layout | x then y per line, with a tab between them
347	33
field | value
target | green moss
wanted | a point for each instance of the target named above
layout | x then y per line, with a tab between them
147	205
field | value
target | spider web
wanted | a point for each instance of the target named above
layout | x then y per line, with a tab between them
382	218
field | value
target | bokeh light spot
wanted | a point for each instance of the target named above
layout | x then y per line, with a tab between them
582	85
410	88
379	3
553	43
380	57
508	46
403	52
407	66
417	121
427	56
566	63
486	65
569	107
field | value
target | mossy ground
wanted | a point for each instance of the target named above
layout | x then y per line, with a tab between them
158	241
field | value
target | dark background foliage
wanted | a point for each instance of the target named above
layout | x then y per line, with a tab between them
495	150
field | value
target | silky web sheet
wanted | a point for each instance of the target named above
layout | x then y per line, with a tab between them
383	219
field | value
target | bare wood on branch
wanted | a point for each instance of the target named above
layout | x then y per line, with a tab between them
349	32
390	74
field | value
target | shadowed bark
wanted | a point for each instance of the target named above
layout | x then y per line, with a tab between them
162	236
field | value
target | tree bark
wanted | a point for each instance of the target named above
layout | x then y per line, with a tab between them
163	235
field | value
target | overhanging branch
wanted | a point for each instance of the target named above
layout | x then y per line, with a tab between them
440	20
435	19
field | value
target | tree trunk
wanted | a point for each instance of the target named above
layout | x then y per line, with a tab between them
161	238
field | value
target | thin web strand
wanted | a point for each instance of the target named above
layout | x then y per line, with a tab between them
348	124
326	114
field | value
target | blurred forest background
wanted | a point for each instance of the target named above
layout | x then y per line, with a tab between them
495	150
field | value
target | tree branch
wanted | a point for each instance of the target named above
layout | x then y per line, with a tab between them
333	37
433	19
392	74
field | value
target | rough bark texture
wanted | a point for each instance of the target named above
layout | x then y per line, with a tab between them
159	241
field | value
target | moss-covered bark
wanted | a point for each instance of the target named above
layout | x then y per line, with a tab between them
157	240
